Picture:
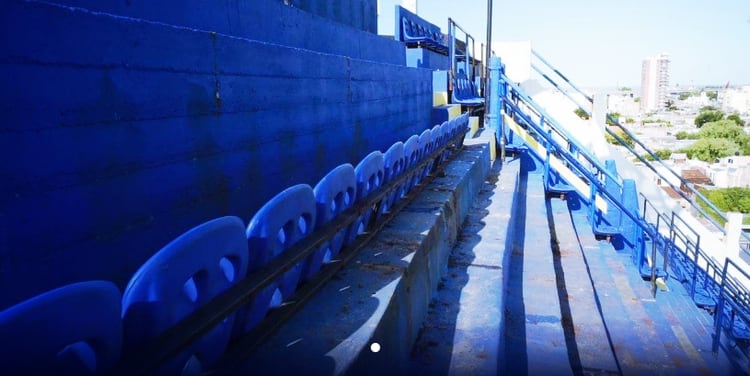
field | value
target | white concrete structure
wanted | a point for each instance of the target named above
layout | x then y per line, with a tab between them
654	83
736	100
517	59
410	5
731	172
623	103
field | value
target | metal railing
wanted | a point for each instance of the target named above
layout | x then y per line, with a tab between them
682	252
456	54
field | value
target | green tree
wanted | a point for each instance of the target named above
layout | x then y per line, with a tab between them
684	95
726	199
582	113
712	95
620	133
663	154
709	149
613	115
721	129
708	116
735	117
682	135
727	129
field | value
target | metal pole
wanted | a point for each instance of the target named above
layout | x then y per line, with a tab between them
488	56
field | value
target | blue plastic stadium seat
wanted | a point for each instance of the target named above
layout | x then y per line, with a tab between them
394	162
187	273
283	221
414	31
334	193
462	125
438	140
369	173
437	136
72	330
412	153
425	143
464	92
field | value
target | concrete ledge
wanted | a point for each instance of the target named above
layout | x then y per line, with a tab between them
382	296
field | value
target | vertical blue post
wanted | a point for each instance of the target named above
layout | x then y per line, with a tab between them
634	240
609	223
497	93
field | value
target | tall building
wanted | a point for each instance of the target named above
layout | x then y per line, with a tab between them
654	82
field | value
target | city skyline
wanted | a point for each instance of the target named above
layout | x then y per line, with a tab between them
603	44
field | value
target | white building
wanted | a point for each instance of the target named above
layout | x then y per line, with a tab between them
736	100
654	83
731	172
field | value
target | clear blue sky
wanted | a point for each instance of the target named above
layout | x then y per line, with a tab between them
603	43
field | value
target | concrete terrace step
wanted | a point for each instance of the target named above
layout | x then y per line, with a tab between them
589	347
382	295
462	333
499	309
666	335
534	334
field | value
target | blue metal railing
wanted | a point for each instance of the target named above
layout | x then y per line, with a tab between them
542	130
630	149
709	284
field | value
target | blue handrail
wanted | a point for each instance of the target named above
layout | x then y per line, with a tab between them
719	285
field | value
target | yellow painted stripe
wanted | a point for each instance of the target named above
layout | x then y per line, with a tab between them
686	344
454	111
576	182
474	125
439	98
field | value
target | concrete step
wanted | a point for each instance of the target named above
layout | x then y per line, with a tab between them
462	333
589	347
498	311
534	333
645	336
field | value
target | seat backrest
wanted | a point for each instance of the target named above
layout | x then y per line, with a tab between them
446	128
369	173
187	273
437	136
334	193
394	162
72	330
280	223
411	151
425	143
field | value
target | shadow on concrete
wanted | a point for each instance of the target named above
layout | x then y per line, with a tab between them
514	355
566	316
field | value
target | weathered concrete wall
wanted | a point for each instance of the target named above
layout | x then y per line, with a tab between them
124	125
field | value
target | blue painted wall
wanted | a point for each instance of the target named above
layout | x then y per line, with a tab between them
124	124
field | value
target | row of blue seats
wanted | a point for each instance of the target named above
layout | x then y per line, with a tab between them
415	31
84	327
